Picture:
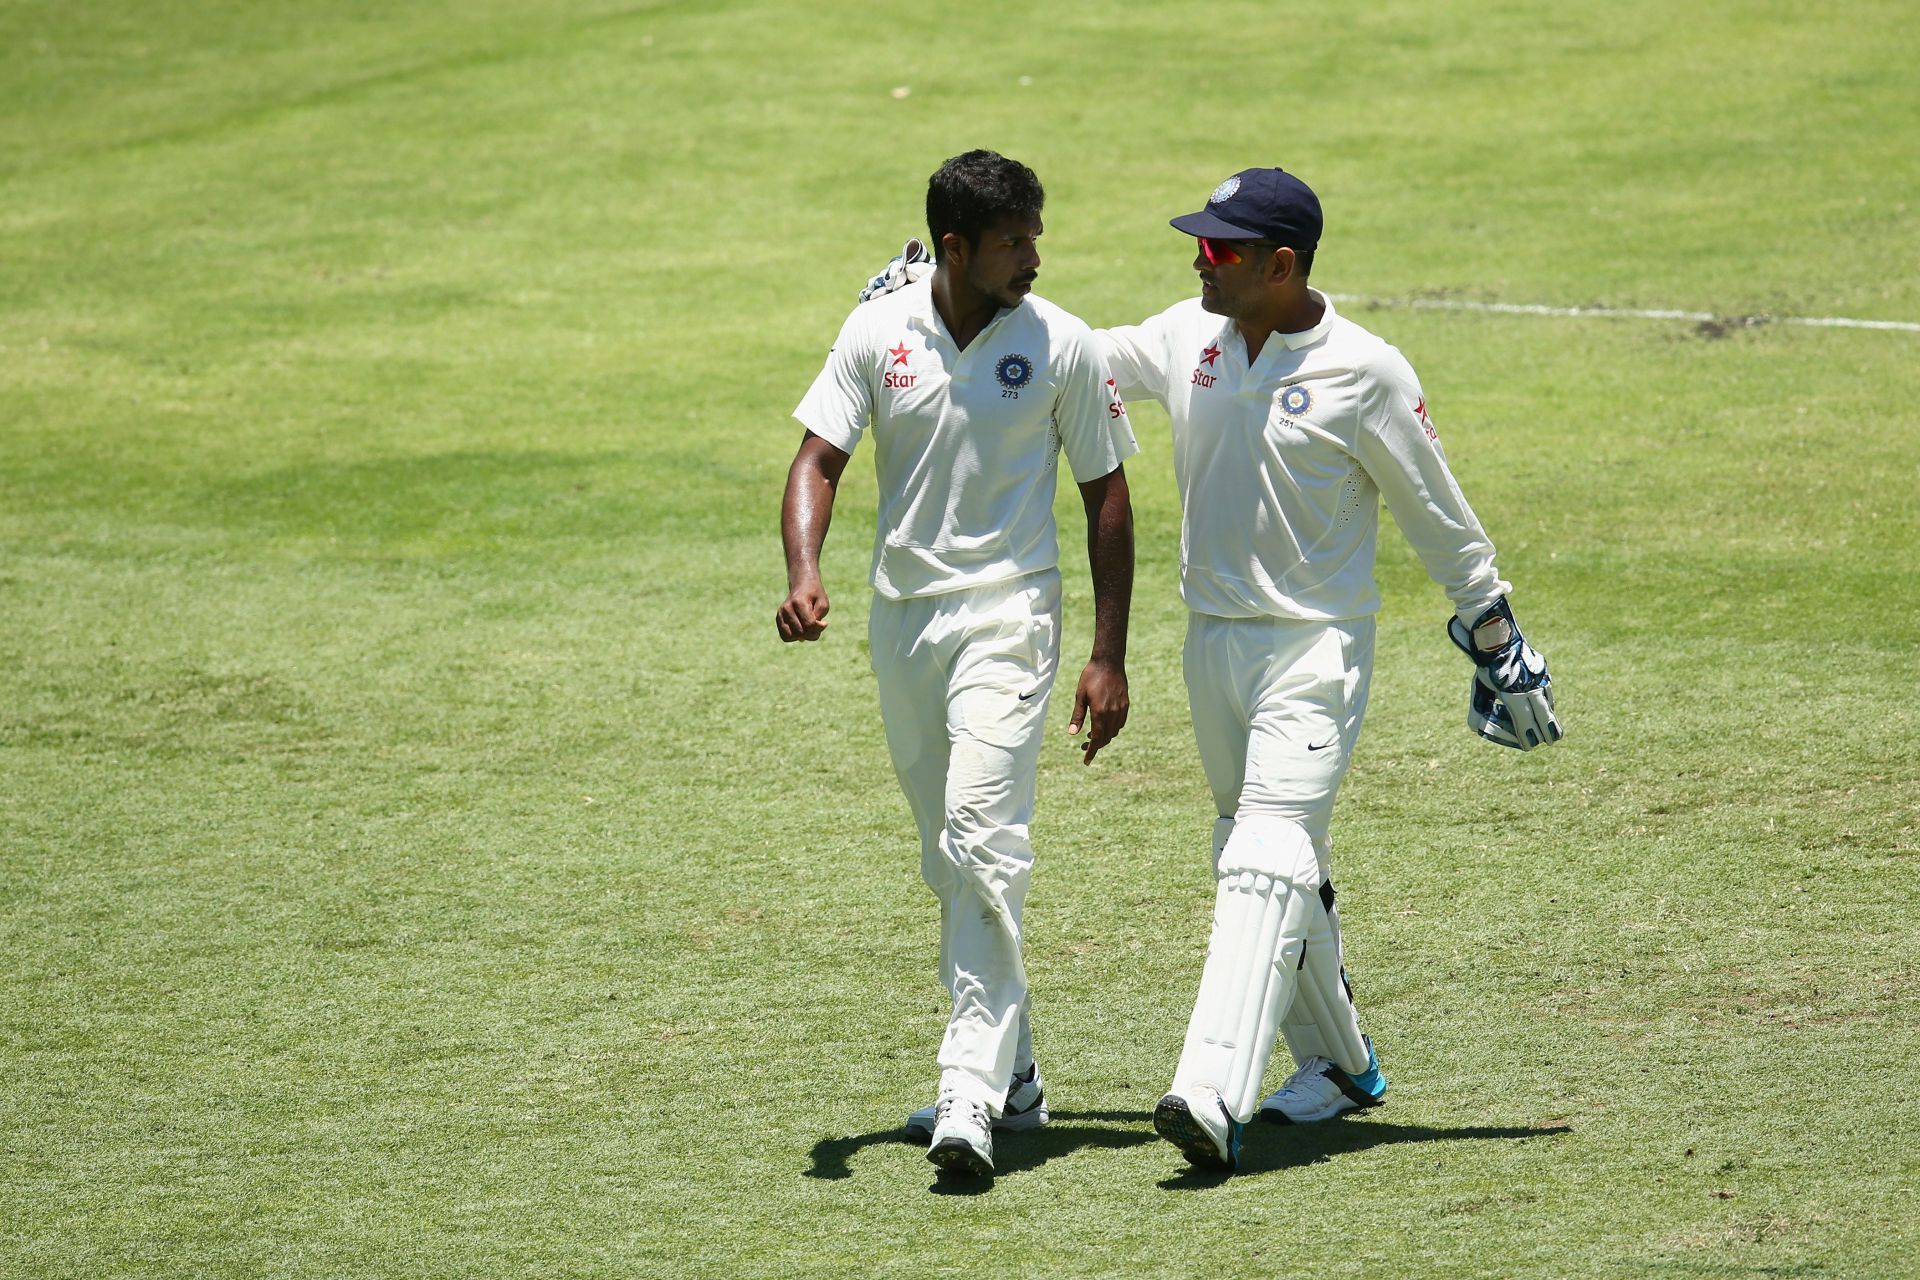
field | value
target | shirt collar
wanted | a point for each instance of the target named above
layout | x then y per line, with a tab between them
924	316
1230	331
920	310
1307	337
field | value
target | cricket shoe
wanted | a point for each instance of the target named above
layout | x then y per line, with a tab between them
962	1136
1199	1123
1025	1108
1320	1090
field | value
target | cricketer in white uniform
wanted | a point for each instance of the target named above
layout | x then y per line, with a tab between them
971	387
1290	424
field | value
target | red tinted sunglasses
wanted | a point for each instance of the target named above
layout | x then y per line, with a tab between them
1222	251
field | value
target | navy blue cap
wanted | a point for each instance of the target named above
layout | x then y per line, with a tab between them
1259	204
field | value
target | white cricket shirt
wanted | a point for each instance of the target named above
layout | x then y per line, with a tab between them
965	442
1282	464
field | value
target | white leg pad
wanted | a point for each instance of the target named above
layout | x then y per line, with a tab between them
1264	907
1322	1022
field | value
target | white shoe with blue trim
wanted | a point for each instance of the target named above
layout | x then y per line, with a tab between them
1321	1090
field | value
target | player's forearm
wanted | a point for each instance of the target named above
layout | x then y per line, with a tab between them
1457	555
806	509
806	512
1110	558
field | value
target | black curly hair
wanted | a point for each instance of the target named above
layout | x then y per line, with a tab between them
972	191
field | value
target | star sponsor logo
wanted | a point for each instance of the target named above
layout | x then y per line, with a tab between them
1116	408
893	377
1208	354
1426	421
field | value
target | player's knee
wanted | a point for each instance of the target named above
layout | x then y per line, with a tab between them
973	843
1269	845
986	815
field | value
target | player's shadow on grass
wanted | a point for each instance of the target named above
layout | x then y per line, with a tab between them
1267	1147
1067	1132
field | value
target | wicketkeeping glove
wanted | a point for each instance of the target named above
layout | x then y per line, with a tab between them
912	263
1511	699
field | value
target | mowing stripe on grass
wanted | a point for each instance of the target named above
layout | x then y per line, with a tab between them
1623	313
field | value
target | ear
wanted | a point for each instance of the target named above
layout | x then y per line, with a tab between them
1280	270
954	249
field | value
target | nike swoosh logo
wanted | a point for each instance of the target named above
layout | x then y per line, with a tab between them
1028	694
1322	747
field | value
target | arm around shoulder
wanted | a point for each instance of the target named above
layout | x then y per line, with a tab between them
1137	356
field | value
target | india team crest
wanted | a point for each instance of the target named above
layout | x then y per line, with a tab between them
1296	400
1014	372
1225	190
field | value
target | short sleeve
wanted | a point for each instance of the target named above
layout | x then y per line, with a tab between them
839	405
1092	421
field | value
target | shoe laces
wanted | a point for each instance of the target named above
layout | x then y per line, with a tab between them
1309	1072
968	1109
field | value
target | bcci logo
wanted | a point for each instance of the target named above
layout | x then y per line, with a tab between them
1225	190
1014	372
1296	400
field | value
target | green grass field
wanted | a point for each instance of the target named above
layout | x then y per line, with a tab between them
419	858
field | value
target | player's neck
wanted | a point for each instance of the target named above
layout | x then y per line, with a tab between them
1295	313
963	309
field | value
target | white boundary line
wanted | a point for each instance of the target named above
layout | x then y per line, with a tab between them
1621	313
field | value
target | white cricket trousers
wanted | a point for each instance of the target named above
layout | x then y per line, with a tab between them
1277	705
964	679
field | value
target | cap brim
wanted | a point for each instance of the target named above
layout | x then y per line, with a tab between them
1207	224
